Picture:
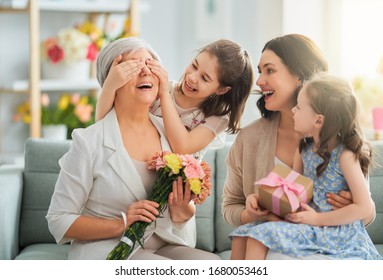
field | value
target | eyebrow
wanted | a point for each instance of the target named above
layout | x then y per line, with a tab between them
266	65
206	74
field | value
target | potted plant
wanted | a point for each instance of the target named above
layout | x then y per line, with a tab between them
59	119
69	54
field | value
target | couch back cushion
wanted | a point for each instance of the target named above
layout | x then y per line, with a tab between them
223	229
205	211
375	230
40	176
212	230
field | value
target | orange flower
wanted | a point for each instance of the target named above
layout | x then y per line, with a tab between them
84	112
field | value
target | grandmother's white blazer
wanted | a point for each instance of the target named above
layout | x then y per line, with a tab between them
98	179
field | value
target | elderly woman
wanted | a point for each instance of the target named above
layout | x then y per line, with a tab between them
103	183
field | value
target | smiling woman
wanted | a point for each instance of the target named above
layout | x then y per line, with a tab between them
103	184
206	103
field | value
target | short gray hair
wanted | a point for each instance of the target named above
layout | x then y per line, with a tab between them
114	49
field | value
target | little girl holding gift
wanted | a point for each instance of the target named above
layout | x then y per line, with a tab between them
336	157
207	101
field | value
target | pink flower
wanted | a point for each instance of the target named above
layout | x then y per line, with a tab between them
50	42
193	168
84	112
45	100
157	161
75	99
55	53
92	52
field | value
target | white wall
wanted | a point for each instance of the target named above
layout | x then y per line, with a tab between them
175	29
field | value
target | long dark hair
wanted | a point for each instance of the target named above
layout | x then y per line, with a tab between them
300	55
235	70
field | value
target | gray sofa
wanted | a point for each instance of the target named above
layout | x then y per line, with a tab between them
25	194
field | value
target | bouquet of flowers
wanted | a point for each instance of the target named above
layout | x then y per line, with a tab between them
169	166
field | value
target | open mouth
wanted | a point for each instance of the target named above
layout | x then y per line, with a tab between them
189	87
268	93
144	86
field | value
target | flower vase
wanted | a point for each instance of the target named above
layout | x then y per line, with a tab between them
79	71
55	131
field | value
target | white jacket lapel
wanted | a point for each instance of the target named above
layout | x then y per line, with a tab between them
120	160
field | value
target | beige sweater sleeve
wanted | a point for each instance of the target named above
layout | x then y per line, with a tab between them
250	158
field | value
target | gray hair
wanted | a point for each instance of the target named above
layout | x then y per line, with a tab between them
114	49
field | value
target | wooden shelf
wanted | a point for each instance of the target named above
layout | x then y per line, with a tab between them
34	86
80	6
85	6
55	85
11	5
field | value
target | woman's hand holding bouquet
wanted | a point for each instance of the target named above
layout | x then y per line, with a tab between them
181	179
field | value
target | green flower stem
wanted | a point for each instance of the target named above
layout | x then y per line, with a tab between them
160	193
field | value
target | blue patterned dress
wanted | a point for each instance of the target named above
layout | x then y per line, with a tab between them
349	241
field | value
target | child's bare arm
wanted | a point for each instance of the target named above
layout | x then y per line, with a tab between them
359	209
181	140
120	73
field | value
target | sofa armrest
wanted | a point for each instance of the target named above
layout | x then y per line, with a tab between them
11	187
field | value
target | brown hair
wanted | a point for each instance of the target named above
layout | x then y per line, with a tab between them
300	55
334	98
235	70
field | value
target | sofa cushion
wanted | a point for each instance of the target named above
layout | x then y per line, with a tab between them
11	187
205	211
222	229
45	251
375	230
40	175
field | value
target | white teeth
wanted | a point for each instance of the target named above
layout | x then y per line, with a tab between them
267	92
145	85
190	87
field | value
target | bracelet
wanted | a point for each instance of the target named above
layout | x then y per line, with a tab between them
127	241
123	237
124	218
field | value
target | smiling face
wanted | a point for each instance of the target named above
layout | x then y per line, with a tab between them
276	82
201	78
144	87
306	120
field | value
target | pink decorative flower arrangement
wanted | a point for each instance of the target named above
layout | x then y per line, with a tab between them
74	44
169	167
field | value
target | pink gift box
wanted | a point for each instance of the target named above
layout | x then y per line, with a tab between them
283	190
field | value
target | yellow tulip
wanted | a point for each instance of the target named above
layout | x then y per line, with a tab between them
84	100
27	119
63	102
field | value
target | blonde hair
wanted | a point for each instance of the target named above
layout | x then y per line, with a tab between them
334	98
